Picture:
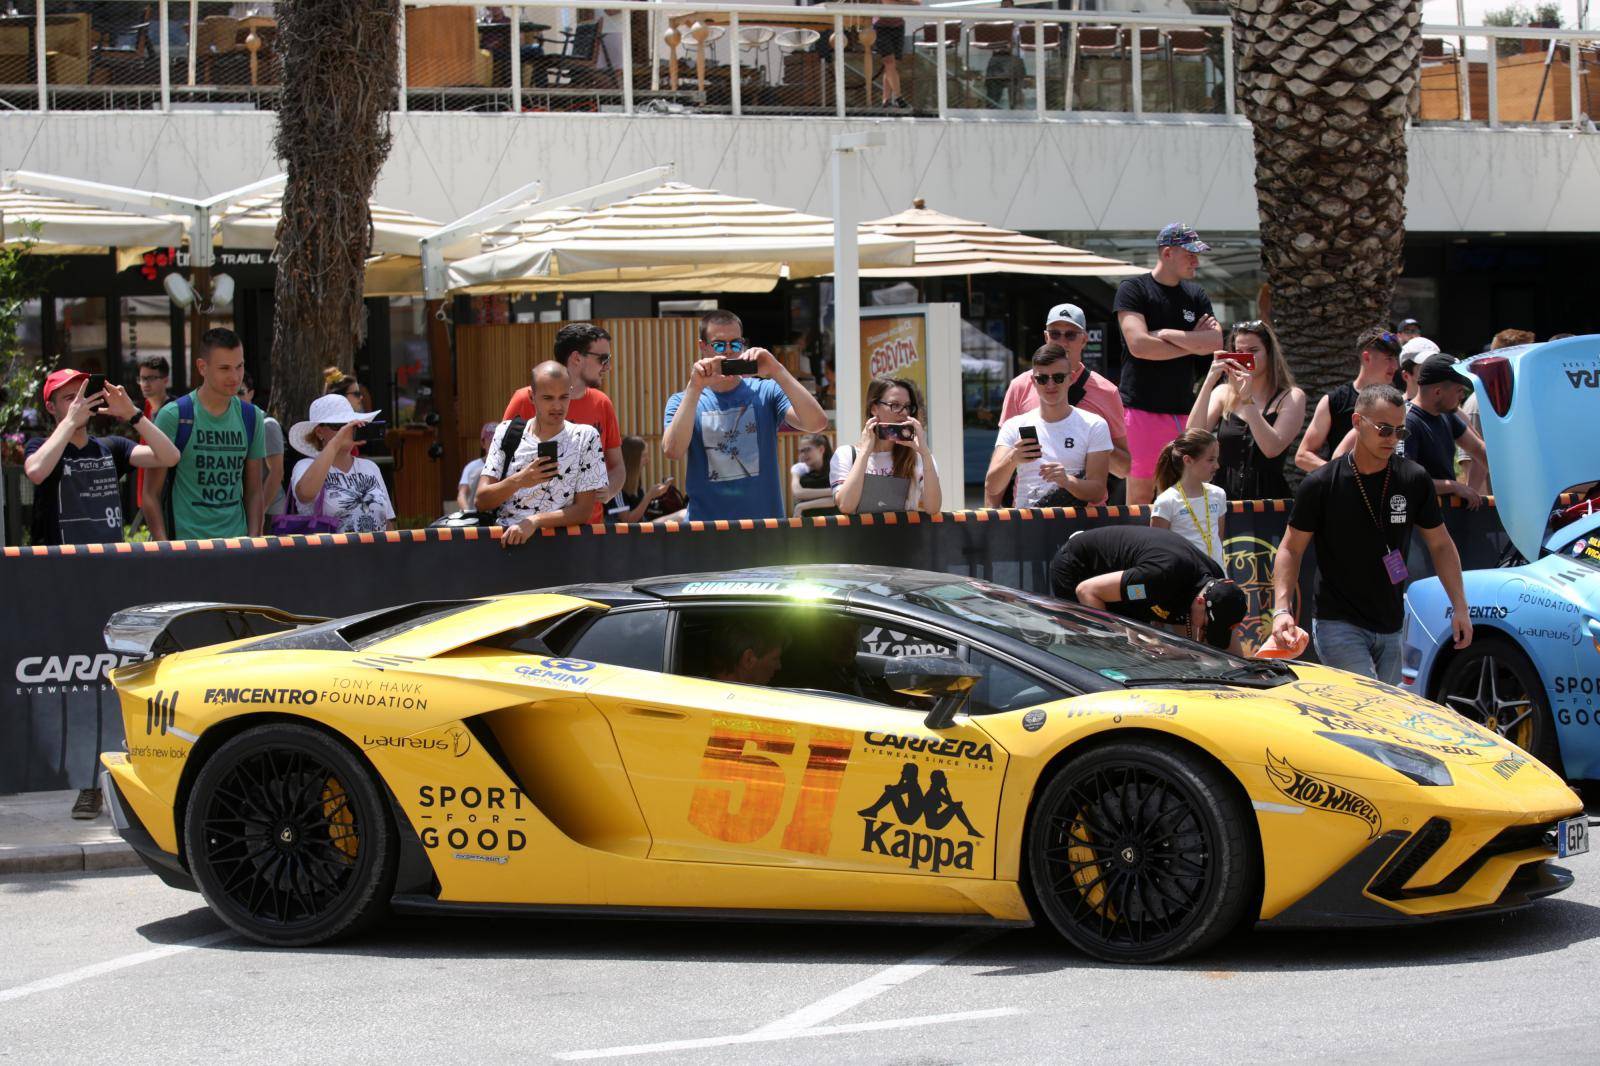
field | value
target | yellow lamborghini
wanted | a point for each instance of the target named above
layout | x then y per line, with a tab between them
823	741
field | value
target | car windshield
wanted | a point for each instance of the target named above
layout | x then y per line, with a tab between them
1109	646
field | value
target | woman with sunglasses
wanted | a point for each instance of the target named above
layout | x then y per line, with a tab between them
1250	400
885	470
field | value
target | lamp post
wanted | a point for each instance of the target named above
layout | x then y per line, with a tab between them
847	279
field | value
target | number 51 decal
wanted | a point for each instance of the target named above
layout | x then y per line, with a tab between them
745	774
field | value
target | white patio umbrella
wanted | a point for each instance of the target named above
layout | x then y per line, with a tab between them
253	223
673	238
63	226
948	246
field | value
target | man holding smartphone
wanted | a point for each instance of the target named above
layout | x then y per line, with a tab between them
1059	453
556	472
725	423
78	499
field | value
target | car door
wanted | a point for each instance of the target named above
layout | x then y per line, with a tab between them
815	769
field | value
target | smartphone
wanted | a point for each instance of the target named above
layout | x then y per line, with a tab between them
96	383
896	432
1247	360
1029	433
371	431
547	450
738	366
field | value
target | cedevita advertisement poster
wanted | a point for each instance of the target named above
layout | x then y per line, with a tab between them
896	346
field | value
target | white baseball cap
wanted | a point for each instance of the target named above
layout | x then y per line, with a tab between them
1416	350
1068	313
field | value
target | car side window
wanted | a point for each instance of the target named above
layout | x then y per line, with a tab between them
1003	687
636	639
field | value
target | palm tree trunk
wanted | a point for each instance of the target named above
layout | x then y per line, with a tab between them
340	72
1327	87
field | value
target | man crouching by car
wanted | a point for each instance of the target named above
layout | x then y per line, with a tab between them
556	472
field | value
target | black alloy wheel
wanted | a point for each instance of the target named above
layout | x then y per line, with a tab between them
1495	685
289	837
1139	851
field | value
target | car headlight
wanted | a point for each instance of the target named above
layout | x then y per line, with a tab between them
1415	765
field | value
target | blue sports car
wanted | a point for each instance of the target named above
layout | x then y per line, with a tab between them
1532	672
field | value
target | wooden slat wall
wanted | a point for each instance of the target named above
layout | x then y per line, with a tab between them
650	360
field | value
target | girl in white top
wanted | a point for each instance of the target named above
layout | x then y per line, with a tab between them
1187	502
334	482
900	450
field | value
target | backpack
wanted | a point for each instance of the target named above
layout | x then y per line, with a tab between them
467	519
247	411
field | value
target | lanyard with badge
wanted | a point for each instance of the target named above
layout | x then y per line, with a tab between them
1393	563
1205	530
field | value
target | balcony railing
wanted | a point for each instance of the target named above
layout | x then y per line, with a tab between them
850	60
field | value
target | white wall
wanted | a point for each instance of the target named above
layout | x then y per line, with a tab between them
1021	174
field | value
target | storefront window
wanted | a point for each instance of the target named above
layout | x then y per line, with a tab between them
80	334
409	360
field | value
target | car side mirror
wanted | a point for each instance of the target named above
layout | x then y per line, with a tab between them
944	677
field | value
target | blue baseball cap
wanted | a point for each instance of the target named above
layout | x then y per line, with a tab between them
1179	235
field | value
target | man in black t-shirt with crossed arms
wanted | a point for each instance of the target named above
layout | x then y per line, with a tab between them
1360	509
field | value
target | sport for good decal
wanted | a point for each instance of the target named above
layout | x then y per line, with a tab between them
1324	795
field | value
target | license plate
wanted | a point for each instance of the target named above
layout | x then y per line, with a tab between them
1572	836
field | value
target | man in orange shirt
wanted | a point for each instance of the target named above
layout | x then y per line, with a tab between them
585	350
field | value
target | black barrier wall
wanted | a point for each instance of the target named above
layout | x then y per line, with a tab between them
57	713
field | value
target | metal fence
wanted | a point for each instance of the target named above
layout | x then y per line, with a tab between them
632	57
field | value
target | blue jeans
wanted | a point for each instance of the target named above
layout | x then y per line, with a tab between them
1345	646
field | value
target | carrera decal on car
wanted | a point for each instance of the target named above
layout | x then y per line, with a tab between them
1313	791
914	809
745	773
937	747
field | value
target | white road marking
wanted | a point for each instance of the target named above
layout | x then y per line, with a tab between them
876	985
84	973
806	1022
766	1035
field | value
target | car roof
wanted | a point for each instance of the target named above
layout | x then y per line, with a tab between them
834	582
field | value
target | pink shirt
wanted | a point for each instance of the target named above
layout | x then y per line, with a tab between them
1099	396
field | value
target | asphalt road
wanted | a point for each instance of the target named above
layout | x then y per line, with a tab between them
118	967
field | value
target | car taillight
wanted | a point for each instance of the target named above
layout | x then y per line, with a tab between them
1495	372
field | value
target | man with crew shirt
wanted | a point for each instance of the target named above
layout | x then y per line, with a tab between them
1380	361
1167	325
1058	453
1149	575
1434	429
1359	510
585	350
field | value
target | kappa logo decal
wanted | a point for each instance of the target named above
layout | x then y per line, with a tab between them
933	809
1324	795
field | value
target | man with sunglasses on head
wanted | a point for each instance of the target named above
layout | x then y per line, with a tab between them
585	350
1086	389
1359	510
1380	361
726	424
1059	453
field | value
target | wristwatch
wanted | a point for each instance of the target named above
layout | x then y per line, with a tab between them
138	416
1276	611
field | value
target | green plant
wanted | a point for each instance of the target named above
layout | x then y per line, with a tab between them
1516	14
21	378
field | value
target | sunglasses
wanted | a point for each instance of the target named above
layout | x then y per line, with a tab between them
1045	379
1255	325
1385	430
1063	334
604	357
725	347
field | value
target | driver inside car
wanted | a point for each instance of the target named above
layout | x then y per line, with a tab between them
745	653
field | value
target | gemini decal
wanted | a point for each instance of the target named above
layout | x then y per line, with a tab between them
1323	795
934	810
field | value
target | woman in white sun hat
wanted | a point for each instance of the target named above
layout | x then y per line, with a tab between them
333	482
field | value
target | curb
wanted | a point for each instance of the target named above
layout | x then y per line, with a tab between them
68	858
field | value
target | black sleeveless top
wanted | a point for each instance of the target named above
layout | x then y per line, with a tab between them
1244	471
1341	405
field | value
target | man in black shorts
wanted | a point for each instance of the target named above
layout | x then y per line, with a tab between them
1149	575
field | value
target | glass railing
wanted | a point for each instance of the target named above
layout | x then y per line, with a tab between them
958	60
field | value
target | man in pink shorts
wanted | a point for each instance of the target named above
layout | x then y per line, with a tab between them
1167	327
1067	327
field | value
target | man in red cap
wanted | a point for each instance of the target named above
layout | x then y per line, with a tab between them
77	497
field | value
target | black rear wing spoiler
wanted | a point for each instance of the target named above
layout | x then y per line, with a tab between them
146	630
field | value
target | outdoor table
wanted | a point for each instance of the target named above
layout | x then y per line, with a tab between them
781	18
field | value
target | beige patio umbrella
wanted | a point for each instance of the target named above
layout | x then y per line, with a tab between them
947	246
253	223
673	238
69	227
